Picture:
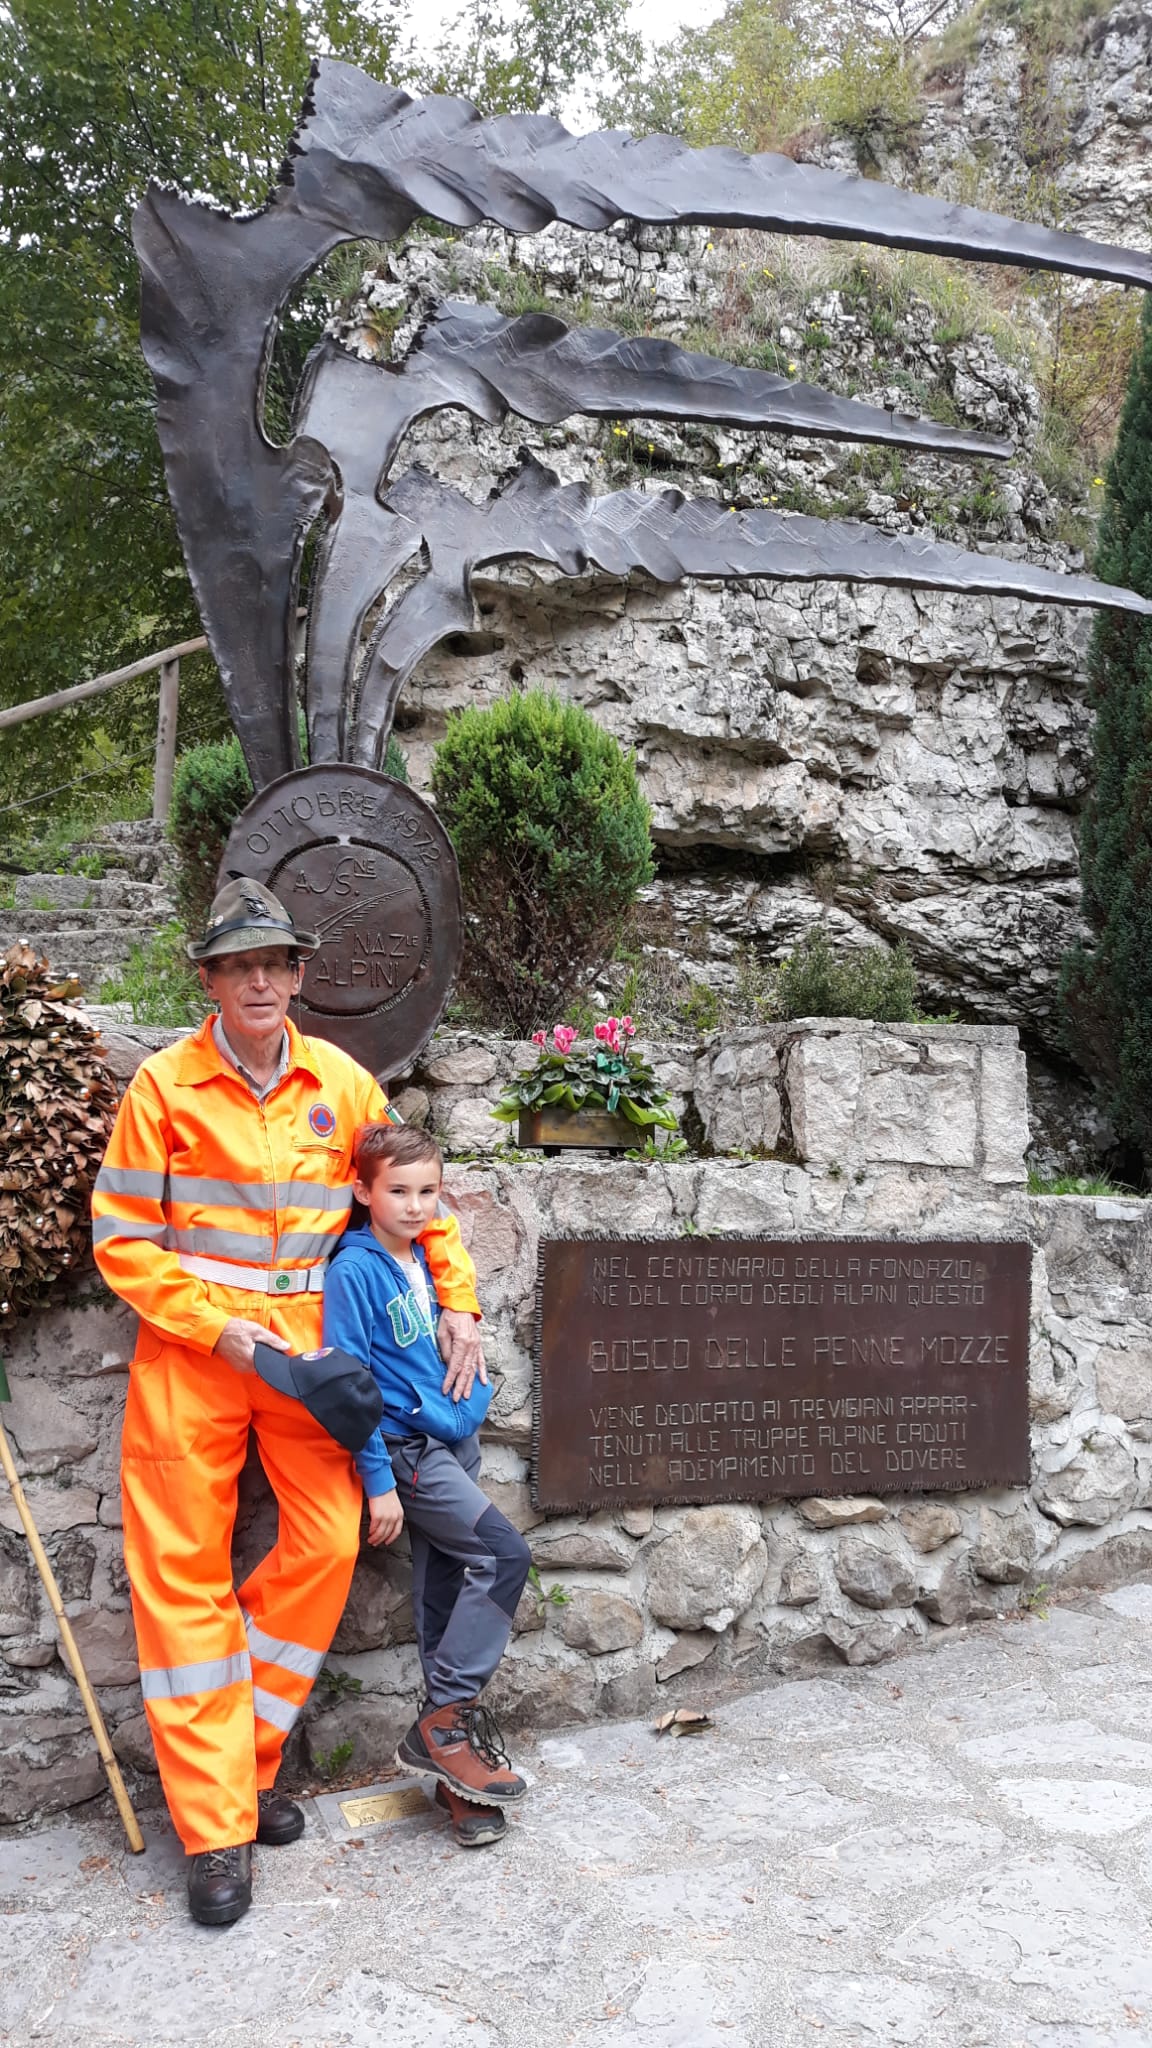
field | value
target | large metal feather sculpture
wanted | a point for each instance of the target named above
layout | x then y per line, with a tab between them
365	161
544	371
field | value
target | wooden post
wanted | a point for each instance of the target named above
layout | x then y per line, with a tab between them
165	741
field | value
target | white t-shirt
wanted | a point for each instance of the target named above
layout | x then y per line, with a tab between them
414	1272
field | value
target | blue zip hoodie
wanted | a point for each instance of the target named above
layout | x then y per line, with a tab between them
371	1311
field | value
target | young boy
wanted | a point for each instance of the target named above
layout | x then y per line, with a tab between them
469	1564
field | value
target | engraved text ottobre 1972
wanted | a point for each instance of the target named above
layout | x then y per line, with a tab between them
744	1370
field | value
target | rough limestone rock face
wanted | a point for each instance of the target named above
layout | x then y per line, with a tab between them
893	764
874	1574
1100	1481
707	1573
600	1622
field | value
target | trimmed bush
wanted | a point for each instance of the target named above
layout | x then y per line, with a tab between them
210	788
1107	985
873	983
552	835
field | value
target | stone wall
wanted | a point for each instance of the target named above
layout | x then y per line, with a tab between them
914	1134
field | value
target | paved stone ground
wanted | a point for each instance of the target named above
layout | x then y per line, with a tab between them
954	1849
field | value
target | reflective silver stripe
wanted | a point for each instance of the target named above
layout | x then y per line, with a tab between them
305	1244
176	1681
262	1195
131	1180
131	1226
224	1244
267	1707
295	1657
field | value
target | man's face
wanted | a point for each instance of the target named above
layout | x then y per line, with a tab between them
253	990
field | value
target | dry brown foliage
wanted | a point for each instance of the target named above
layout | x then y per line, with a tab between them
57	1106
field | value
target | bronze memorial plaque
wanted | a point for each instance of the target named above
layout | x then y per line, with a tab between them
364	862
711	1369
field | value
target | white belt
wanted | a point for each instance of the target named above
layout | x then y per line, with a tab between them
256	1279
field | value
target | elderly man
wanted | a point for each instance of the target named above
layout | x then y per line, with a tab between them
225	1185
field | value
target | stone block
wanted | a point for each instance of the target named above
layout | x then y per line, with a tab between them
1004	1132
529	1615
471	1064
373	1725
106	1640
628	1695
799	1581
709	1571
379	1606
48	1432
736	1089
689	1650
16	1596
466	1126
929	1524
634	1521
586	1550
953	1598
1124	1381
1005	1547
600	1622
1098	1483
28	1653
1114	1561
872	1643
874	1575
527	1693
53	1508
918	1111
842	1513
132	1741
513	1497
412	1105
50	1762
822	1076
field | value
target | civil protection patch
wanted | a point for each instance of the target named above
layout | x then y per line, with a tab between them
321	1120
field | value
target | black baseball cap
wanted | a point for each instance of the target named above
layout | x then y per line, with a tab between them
335	1388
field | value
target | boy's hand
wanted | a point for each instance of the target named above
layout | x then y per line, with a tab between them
385	1517
458	1334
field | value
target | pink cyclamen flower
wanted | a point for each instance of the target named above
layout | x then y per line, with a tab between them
538	1038
565	1036
629	1027
602	1032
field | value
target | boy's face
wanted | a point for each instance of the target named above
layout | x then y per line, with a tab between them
401	1200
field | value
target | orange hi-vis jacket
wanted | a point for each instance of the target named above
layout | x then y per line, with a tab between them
197	1167
199	1175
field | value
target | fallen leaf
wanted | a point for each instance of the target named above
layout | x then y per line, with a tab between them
682	1721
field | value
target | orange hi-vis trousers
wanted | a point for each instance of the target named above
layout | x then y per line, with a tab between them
225	1673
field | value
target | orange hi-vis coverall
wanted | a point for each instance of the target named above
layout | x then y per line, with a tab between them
200	1174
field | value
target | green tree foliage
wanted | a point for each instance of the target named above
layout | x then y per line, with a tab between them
529	55
1107	987
552	835
766	71
98	97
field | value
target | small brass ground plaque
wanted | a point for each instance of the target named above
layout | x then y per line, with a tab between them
745	1369
364	1813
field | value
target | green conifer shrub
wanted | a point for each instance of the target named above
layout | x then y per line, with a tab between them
552	835
1107	984
873	982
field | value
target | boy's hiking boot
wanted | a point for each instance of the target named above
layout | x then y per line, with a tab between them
280	1819
473	1827
462	1745
220	1885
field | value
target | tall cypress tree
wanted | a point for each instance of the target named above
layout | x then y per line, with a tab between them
1107	984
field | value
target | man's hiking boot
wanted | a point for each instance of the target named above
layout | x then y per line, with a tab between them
220	1885
462	1745
280	1819
473	1827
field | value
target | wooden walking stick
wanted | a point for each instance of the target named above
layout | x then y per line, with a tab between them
44	1567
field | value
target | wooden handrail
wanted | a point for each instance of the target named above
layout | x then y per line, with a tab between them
15	714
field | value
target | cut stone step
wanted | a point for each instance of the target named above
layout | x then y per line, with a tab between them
33	917
81	892
89	955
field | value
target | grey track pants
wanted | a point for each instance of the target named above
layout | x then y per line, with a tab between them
469	1565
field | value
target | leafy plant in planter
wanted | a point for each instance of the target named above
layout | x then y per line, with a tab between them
586	1094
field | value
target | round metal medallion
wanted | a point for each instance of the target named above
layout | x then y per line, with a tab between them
365	863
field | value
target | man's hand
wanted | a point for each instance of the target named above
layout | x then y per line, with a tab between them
385	1517
459	1339
238	1339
